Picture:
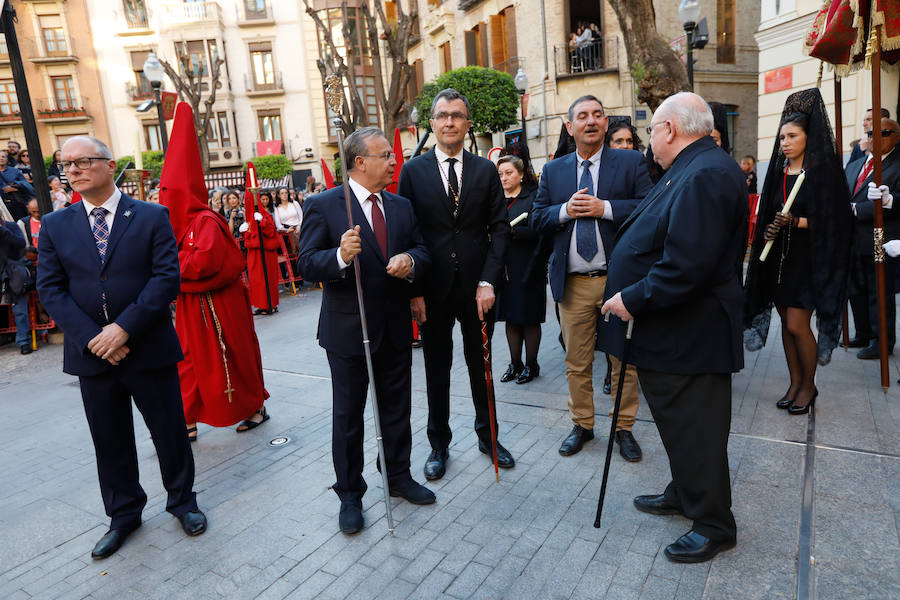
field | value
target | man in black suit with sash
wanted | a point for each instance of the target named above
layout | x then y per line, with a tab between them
676	270
107	273
863	287
391	255
460	206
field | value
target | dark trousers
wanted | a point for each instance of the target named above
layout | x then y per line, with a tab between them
393	386
864	297
693	415
107	405
437	343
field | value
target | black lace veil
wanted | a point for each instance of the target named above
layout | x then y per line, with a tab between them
830	226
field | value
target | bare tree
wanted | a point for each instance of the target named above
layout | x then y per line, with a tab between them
396	35
189	84
658	72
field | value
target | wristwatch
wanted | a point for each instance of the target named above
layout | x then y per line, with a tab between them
487	284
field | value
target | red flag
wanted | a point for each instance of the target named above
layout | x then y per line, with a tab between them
398	156
326	174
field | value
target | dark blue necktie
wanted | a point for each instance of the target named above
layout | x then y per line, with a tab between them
585	227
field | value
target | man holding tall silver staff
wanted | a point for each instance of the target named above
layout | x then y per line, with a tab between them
390	255
676	271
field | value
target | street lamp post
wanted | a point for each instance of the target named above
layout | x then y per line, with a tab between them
521	81
153	71
414	117
689	13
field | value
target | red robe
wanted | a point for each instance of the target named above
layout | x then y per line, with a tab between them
211	265
257	278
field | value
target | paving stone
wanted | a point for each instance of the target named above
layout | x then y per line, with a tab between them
468	580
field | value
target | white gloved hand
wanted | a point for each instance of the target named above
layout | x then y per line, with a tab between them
880	193
258	217
244	227
892	248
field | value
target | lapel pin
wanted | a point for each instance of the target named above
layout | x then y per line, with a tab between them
668	182
127	213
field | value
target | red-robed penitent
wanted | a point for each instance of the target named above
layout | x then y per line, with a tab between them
256	275
221	374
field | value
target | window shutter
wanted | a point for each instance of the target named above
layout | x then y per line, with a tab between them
471	48
498	40
509	16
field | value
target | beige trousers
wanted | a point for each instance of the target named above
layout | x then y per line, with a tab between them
578	314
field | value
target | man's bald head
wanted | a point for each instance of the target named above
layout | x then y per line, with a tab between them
888	142
680	120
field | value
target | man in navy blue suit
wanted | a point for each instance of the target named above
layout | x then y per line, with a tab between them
582	198
107	272
676	271
391	255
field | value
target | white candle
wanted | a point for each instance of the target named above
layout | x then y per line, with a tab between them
518	219
251	171
787	208
138	157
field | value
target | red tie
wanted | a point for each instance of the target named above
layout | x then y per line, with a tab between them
378	226
867	168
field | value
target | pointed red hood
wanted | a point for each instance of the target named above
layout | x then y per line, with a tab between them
326	175
398	156
182	187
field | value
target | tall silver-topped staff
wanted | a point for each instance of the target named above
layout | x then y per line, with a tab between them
334	95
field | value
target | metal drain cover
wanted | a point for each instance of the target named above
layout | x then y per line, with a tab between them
279	441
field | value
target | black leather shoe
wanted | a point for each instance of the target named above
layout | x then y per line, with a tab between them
350	519
871	351
628	446
529	373
25	349
793	409
504	458
193	523
111	541
858	342
656	505
694	548
575	440
414	493
512	372
607	384
785	401
436	465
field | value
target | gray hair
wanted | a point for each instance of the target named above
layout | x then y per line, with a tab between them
585	98
357	144
100	146
690	112
449	94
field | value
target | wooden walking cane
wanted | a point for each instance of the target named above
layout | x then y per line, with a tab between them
334	95
492	411
839	141
615	418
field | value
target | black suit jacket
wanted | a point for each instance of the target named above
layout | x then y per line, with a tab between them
140	278
863	244
386	298
678	262
472	246
622	179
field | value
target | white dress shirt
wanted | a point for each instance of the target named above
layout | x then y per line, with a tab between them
111	204
444	166
576	264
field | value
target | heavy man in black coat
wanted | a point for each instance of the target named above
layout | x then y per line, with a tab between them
391	255
863	288
676	270
460	206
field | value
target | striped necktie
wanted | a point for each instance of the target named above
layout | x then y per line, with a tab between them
100	230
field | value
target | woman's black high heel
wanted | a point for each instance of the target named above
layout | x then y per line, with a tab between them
786	401
802	410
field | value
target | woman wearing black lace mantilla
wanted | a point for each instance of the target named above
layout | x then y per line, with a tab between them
806	269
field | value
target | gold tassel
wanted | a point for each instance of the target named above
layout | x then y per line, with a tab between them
819	78
872	47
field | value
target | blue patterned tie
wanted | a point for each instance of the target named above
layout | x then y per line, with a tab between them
585	227
101	231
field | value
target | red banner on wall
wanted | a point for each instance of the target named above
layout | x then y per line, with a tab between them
271	147
169	100
779	79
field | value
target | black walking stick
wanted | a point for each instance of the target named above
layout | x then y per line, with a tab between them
334	95
615	418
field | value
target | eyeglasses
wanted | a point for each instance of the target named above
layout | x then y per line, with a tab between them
386	155
455	116
650	127
884	133
82	163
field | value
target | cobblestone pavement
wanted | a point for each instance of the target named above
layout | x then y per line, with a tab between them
273	521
